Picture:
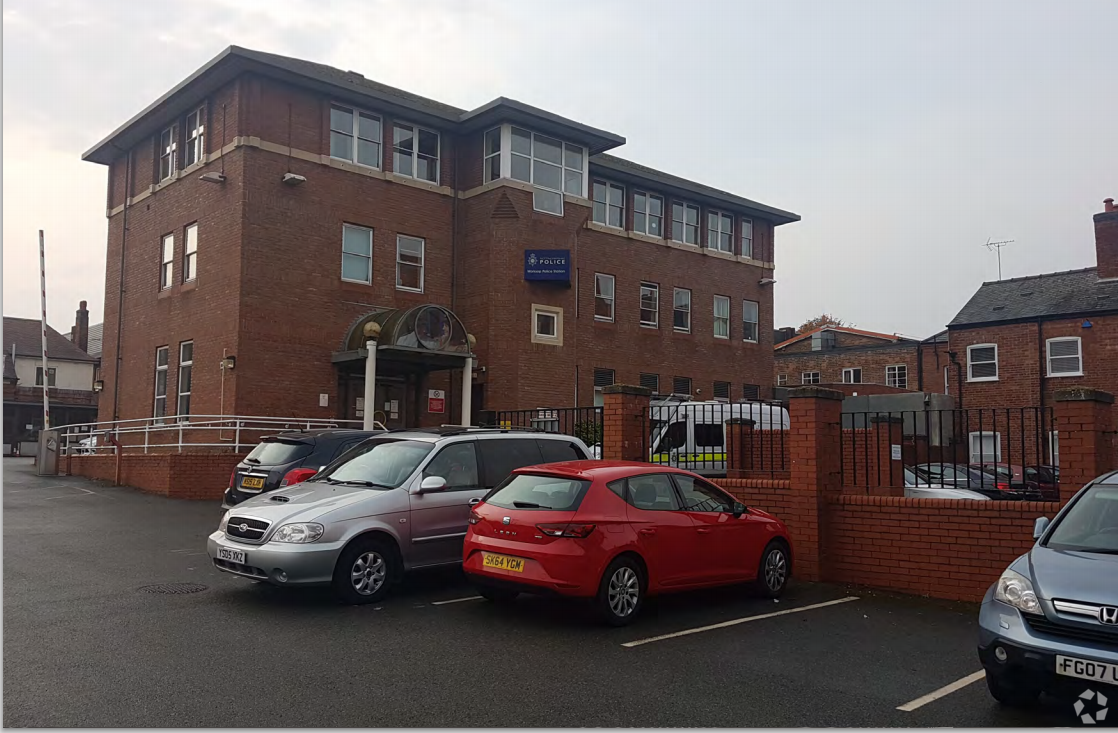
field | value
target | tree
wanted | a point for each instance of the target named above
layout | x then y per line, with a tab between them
819	321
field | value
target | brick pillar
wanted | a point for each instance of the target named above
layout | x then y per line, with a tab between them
815	414
1085	421
888	475
626	428
739	447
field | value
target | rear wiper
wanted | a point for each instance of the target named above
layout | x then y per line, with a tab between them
526	505
252	460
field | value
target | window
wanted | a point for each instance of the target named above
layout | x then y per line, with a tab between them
186	363
161	356
681	311
167	261
409	263
685	223
809	378
852	375
502	456
823	341
648	214
168	152
604	377
552	166
603	297
190	260
699	496
985	447
609	204
747	238
652	493
721	317
896	375
51	374
720	232
650	305
982	363
1054	447
547	325
355	136
357	254
1065	358
721	390
749	319
195	136
781	380
650	381
457	465
709	435
946	385
555	451
415	152
492	160
681	385
753	391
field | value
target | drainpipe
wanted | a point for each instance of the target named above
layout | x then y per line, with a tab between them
920	366
120	298
954	356
1043	367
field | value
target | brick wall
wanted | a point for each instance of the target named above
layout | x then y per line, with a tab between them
174	475
770	495
872	361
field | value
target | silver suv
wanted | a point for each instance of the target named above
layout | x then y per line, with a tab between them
397	502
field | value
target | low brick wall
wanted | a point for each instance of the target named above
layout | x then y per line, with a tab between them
770	495
174	475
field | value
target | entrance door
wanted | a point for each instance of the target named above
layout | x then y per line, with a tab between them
391	406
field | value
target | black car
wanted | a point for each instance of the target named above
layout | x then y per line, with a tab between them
266	466
960	476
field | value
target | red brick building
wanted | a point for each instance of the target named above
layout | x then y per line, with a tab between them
268	209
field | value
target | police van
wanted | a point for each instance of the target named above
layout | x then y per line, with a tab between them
692	435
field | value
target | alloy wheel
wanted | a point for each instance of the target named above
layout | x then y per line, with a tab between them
776	569
368	573
624	591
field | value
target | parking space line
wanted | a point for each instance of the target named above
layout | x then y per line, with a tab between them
456	600
944	691
737	621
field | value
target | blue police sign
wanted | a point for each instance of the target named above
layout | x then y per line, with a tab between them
547	264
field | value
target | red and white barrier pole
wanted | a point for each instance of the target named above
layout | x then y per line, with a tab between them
46	373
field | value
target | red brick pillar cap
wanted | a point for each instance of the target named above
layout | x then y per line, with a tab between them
817	392
741	421
1083	394
627	389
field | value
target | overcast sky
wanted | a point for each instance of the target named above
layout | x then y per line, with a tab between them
905	134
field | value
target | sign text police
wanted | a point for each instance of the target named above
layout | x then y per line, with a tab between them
547	264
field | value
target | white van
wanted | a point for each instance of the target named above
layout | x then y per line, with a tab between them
692	435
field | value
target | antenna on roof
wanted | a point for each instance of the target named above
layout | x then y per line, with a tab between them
997	246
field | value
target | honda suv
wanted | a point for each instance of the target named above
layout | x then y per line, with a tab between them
396	502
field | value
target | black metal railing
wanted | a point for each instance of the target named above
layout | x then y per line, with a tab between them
584	423
1002	453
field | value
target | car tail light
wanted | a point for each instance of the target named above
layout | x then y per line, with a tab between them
566	530
297	476
1004	488
233	478
474	517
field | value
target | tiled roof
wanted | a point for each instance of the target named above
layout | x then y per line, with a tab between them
1070	293
892	337
27	337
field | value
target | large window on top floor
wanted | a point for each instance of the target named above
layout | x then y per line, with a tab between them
554	167
609	204
195	136
355	135
685	223
168	152
415	152
720	232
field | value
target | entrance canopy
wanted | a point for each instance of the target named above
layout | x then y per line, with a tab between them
425	338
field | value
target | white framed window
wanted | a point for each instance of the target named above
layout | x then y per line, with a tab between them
195	136
186	367
982	363
168	152
896	375
650	305
1054	447
809	378
722	391
190	257
357	254
946	383
166	261
648	214
609	204
750	314
747	238
355	136
852	375
551	165
415	152
491	160
409	263
1065	357
685	223
681	310
781	380
162	354
985	447
547	325
721	317
720	232
52	374
603	296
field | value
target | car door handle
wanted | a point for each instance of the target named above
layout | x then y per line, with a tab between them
648	531
475	501
704	530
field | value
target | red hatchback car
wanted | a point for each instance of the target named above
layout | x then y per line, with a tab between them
616	531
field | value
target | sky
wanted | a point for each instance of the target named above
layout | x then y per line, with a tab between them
905	135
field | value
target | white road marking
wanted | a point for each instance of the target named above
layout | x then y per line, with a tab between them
38	488
75	496
944	691
456	600
737	621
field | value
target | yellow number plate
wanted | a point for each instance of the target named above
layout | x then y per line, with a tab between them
252	482
503	562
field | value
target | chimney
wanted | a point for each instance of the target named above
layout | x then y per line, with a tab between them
1106	240
79	334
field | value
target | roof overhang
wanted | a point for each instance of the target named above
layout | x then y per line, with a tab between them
504	109
1032	319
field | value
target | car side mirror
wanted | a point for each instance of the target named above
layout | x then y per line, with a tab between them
1039	527
739	509
432	484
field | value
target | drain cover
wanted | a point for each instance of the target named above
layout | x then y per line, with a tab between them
174	589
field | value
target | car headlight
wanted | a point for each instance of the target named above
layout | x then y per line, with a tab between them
299	533
1016	590
224	521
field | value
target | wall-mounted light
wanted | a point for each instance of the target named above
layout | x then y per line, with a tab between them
766	281
1087	324
229	362
293	179
99	385
371	330
212	177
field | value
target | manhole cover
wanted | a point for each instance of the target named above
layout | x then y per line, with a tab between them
174	589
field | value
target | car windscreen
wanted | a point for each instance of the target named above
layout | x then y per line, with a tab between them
1090	524
379	463
538	491
277	452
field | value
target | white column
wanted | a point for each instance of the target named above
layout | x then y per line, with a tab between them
370	383
467	389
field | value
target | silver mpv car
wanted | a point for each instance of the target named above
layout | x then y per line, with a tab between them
397	502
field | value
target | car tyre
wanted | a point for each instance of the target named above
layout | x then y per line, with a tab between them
1011	695
774	570
366	571
621	592
497	595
